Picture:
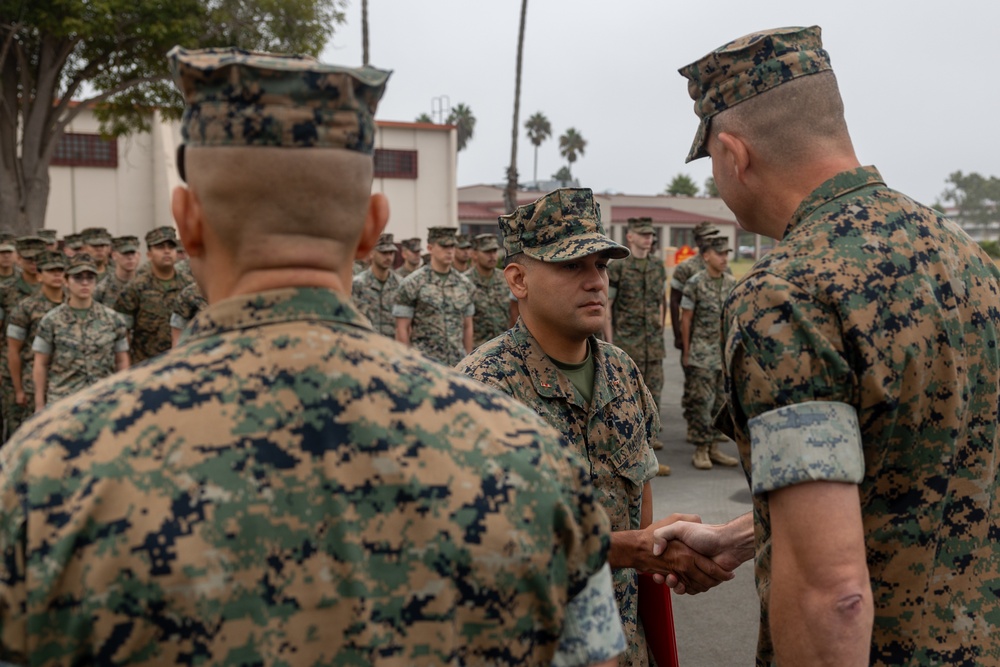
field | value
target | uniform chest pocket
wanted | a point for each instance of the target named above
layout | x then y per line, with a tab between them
631	460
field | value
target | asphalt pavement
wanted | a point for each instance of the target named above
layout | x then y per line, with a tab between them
717	628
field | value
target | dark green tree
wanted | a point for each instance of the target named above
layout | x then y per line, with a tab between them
563	175
464	120
539	129
59	57
571	146
976	197
682	185
710	189
424	118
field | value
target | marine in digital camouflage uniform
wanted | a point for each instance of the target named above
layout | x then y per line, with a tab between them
148	300
288	486
79	342
701	332
125	251
637	292
190	301
13	288
374	290
72	244
496	307
409	250
463	253
22	325
97	244
434	306
589	390
51	238
862	363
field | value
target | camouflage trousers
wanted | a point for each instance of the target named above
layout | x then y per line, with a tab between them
13	414
705	389
686	396
652	376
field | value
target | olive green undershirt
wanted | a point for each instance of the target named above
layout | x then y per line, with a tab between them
581	374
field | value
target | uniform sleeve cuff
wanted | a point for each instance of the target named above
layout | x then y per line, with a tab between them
402	311
592	631
805	442
41	346
16	332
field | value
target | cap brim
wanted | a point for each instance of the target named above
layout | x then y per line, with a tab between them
81	268
385	248
698	147
577	247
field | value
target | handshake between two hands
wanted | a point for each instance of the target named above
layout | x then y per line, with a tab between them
692	557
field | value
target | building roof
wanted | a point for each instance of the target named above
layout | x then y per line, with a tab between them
478	210
413	126
662	215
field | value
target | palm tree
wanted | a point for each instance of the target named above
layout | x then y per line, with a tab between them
462	118
364	32
424	118
539	129
510	192
571	145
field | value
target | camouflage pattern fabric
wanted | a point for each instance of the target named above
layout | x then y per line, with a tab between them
11	293
82	344
492	300
22	325
708	396
147	304
637	288
375	299
613	434
874	302
289	487
189	303
403	271
706	296
109	288
239	98
437	308
747	67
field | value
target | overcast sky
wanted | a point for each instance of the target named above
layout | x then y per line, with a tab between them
918	79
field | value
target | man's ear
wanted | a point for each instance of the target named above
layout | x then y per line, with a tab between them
189	217
515	275
375	221
736	156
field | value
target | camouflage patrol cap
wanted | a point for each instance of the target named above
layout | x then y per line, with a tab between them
443	236
96	236
640	225
80	263
161	235
122	244
241	98
385	243
413	245
565	224
705	229
747	67
463	241
485	242
6	242
49	260
29	247
74	241
50	235
716	243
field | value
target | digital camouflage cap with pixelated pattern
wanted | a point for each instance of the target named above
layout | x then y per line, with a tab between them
385	243
563	225
29	247
80	263
242	98
485	242
640	225
160	235
49	260
443	236
747	67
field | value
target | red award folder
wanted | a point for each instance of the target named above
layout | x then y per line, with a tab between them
657	616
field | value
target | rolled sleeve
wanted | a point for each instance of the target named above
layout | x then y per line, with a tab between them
16	332
178	322
806	442
41	346
402	311
121	345
592	631
687	303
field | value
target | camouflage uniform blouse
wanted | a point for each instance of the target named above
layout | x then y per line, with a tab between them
289	487
637	287
109	288
11	294
437	308
147	303
612	435
705	296
868	343
189	303
22	325
82	346
375	299
492	300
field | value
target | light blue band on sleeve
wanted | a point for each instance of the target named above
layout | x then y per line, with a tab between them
41	346
470	310
592	631
805	442
16	332
402	311
686	303
177	322
121	345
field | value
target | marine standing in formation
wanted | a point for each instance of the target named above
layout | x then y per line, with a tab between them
862	361
705	294
409	249
24	284
463	253
78	342
97	244
434	306
22	325
148	300
374	290
589	390
125	251
496	306
287	486
190	301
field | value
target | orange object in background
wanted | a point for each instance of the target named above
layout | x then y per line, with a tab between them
684	252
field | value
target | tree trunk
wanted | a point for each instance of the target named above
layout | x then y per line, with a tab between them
364	32
536	165
510	193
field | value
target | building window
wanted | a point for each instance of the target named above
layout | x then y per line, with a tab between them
85	150
395	164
